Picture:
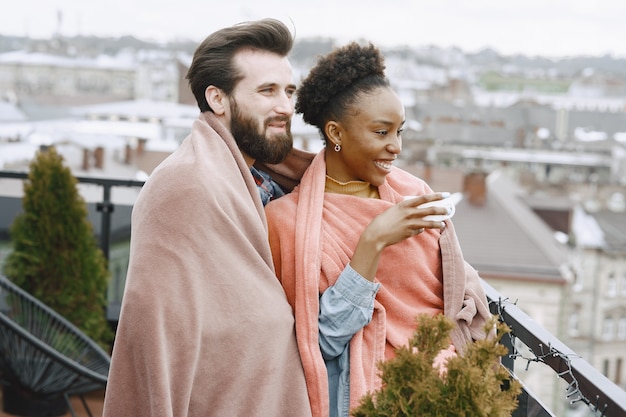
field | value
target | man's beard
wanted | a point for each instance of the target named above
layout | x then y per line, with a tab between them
256	144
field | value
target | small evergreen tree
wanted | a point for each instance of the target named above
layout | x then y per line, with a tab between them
55	256
474	384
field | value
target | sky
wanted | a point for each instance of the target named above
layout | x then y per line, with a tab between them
550	28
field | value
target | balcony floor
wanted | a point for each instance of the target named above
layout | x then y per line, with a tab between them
94	401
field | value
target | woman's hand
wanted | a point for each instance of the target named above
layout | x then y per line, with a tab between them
395	224
404	220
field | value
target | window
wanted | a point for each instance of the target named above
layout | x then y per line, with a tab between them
611	285
621	328
607	328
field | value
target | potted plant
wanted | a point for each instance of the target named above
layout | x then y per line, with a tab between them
473	384
55	256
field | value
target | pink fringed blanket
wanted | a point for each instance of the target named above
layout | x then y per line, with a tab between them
313	234
205	328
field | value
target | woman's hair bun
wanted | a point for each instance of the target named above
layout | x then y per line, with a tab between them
334	73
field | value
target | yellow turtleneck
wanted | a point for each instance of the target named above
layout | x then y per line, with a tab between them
355	188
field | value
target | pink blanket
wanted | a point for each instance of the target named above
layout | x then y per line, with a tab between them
205	327
313	234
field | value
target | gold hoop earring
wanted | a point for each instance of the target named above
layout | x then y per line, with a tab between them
337	147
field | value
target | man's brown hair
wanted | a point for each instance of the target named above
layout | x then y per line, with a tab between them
212	62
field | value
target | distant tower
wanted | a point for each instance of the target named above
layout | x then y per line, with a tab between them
59	24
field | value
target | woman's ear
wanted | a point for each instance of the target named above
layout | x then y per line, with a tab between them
333	132
216	99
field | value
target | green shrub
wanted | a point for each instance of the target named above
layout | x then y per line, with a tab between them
475	384
55	256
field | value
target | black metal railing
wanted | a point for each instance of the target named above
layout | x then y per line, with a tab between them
586	384
106	206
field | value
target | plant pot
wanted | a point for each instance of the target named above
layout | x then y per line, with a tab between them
23	403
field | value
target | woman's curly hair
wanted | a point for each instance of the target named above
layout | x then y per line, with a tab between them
337	80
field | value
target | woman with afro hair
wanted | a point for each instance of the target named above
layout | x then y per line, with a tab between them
357	260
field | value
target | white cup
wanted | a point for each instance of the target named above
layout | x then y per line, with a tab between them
448	203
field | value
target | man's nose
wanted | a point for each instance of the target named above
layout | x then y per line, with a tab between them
284	104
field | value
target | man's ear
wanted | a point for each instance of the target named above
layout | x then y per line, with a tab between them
333	132
216	99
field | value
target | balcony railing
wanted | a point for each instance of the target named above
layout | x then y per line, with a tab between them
105	207
586	384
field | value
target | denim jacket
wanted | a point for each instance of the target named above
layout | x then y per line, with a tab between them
345	308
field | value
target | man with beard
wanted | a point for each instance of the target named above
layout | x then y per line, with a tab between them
205	328
251	141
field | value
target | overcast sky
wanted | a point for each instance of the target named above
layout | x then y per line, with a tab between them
554	28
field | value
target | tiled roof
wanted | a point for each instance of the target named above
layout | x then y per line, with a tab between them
613	226
504	237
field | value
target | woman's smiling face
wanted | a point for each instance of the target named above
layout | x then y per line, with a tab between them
369	136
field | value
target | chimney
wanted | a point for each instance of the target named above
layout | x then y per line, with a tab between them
141	145
86	156
98	154
427	175
475	188
128	154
